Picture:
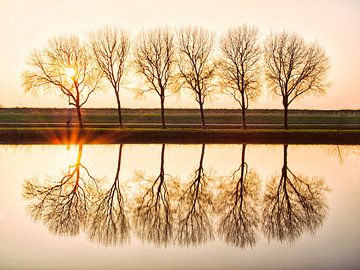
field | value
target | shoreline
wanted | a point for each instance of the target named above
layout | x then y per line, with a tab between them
176	136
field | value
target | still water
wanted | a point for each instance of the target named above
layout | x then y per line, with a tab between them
180	206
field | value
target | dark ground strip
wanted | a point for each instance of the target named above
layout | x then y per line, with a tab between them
175	136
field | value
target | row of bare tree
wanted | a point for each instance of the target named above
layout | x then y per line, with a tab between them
164	210
168	61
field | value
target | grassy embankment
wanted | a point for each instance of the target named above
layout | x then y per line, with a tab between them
47	126
102	117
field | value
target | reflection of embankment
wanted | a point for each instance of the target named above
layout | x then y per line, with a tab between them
144	134
164	210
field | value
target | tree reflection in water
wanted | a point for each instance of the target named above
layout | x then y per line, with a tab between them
237	204
62	204
293	204
108	223
163	211
153	217
195	202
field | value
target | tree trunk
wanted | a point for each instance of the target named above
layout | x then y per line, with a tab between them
200	168
78	111
162	98
243	161
162	157
119	109
242	175
202	157
243	155
286	105
119	163
202	115
284	168
162	161
286	126
243	109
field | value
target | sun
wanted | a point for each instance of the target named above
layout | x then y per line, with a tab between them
70	72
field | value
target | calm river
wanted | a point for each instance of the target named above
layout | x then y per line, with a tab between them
179	207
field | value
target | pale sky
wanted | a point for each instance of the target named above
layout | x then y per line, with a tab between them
28	24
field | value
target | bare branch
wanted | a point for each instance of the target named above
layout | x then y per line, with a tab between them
110	47
292	205
62	205
294	68
238	203
63	65
196	66
155	61
194	224
109	224
239	66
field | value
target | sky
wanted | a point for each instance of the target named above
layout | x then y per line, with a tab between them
28	24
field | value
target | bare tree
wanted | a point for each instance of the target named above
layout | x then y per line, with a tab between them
197	68
155	60
153	215
109	224
294	68
65	65
194	224
110	47
239	67
293	205
62	205
238	203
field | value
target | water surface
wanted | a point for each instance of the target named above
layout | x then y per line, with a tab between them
179	206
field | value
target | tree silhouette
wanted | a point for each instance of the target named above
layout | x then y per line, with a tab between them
238	204
239	66
66	66
197	69
110	47
194	224
294	68
155	60
153	216
108	224
292	205
62	205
